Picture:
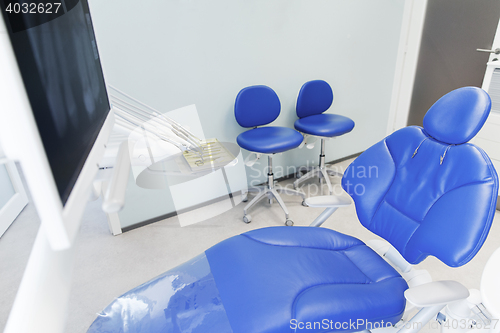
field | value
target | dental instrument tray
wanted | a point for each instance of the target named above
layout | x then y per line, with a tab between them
214	156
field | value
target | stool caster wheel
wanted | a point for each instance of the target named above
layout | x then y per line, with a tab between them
304	203
244	198
289	223
248	219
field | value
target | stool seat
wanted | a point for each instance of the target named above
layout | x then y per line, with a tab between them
269	140
327	125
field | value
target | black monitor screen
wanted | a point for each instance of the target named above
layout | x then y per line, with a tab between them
57	55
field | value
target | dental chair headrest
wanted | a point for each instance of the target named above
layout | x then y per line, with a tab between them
457	116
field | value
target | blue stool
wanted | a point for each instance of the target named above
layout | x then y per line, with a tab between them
257	106
316	97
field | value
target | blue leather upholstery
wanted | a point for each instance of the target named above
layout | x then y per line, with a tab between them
428	197
458	116
315	97
270	276
327	125
256	106
424	195
261	281
269	140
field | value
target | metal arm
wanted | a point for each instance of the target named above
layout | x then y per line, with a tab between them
148	111
330	202
131	123
387	251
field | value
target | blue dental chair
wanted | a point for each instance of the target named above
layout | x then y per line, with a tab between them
257	106
315	98
429	193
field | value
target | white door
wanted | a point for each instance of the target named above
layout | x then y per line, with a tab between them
434	59
489	136
12	195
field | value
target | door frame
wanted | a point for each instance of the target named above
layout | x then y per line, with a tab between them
13	207
406	63
496	44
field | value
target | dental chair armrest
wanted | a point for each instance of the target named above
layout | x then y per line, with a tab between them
330	202
436	293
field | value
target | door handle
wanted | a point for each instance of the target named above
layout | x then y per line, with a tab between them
496	51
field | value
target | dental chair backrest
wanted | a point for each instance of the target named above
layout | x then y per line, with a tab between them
426	190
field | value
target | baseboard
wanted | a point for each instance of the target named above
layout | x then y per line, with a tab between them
181	211
203	204
147	222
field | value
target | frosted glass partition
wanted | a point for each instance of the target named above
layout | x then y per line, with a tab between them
170	54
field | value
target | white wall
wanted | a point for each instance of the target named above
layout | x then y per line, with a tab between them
171	54
6	188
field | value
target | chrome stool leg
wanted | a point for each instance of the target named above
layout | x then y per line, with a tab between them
321	171
246	217
270	178
333	172
291	192
255	189
288	222
326	177
311	174
270	192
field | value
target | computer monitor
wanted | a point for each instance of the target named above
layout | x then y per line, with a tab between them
55	113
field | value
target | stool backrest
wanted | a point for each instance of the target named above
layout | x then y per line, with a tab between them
256	106
315	97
